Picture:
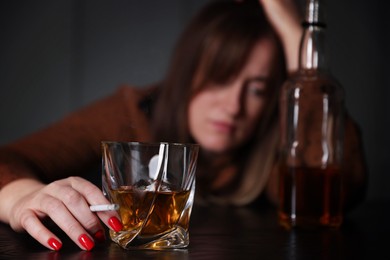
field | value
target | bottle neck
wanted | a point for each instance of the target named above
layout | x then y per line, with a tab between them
312	51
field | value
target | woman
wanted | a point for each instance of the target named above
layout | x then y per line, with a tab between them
234	65
221	92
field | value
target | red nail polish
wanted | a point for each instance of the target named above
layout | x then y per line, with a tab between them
115	224
86	242
54	243
99	236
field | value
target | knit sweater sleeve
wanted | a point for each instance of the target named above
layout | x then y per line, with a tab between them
72	145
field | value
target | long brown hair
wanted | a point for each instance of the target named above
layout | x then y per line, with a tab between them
214	48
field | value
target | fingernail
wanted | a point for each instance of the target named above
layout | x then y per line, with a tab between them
86	242
115	224
54	243
99	236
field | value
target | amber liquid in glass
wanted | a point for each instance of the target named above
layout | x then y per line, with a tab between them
310	197
147	214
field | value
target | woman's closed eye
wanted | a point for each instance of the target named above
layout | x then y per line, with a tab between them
257	87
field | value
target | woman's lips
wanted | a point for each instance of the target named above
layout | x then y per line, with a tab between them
223	127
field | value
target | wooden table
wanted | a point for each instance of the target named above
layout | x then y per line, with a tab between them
238	233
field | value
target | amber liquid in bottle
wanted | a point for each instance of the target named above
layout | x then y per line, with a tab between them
310	197
311	121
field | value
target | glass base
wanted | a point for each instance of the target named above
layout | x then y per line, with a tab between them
176	238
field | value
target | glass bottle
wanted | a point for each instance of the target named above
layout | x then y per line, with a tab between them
311	121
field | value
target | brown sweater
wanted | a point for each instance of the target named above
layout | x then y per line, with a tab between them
72	145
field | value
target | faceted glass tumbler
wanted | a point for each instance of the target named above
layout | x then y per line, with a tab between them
154	186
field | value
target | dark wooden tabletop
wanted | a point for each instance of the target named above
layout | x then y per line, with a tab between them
238	233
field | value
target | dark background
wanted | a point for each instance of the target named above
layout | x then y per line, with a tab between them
56	56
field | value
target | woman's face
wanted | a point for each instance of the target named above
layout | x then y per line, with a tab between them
224	116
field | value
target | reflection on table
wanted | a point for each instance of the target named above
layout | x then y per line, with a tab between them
237	233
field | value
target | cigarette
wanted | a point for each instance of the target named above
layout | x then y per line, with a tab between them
104	207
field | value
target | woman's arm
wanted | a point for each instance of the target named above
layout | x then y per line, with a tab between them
285	17
67	148
355	169
72	146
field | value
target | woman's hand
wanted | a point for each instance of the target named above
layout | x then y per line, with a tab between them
25	203
285	17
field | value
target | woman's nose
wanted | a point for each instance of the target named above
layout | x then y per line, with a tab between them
232	101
